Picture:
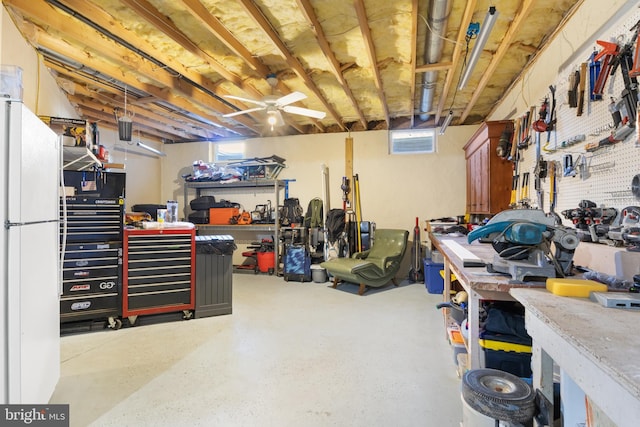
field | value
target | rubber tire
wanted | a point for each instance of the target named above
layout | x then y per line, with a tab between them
499	395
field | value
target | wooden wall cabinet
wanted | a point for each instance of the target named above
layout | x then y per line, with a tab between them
489	177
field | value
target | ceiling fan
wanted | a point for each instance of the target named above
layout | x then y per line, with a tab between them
274	104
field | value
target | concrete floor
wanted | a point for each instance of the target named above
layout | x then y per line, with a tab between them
291	354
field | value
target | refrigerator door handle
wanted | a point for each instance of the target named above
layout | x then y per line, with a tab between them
9	224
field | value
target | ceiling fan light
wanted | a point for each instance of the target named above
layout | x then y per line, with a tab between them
272	119
272	80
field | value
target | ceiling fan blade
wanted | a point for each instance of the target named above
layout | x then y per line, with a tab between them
237	113
249	100
304	112
290	99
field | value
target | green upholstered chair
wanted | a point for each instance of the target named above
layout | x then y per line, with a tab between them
375	267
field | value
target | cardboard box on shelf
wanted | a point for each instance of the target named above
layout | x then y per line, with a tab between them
74	132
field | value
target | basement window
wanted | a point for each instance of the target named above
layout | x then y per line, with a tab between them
412	141
229	151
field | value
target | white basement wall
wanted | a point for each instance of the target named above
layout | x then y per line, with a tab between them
395	189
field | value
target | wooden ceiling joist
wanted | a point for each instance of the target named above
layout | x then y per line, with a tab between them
371	53
180	60
316	27
109	95
255	13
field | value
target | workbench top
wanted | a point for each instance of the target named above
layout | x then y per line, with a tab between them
598	347
478	278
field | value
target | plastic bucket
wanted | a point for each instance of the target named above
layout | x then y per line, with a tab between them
266	261
318	274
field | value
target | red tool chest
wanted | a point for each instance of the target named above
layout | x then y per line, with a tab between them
158	272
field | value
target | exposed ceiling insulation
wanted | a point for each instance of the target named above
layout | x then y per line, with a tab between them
360	62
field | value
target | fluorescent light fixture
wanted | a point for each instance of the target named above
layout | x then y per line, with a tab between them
447	121
487	26
151	149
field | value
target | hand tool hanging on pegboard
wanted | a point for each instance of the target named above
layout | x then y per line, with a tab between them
526	129
574	82
635	69
550	121
629	96
540	171
608	52
551	117
514	190
514	156
524	191
567	165
515	141
553	191
532	114
583	85
594	75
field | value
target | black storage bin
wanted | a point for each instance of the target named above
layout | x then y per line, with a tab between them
214	275
508	353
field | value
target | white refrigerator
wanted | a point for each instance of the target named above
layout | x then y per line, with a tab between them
29	256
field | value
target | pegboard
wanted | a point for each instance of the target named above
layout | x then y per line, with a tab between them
603	176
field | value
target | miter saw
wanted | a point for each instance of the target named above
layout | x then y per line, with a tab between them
524	240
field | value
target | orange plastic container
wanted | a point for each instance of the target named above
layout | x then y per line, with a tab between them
222	216
266	261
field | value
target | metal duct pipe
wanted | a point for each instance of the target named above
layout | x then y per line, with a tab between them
438	16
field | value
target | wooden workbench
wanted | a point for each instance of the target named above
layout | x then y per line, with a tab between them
598	347
479	284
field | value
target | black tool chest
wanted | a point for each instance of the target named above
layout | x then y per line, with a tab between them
92	259
158	273
91	219
91	281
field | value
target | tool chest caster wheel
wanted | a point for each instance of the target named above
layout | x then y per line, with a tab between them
114	323
187	314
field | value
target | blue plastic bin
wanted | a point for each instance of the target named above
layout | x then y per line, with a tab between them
432	279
